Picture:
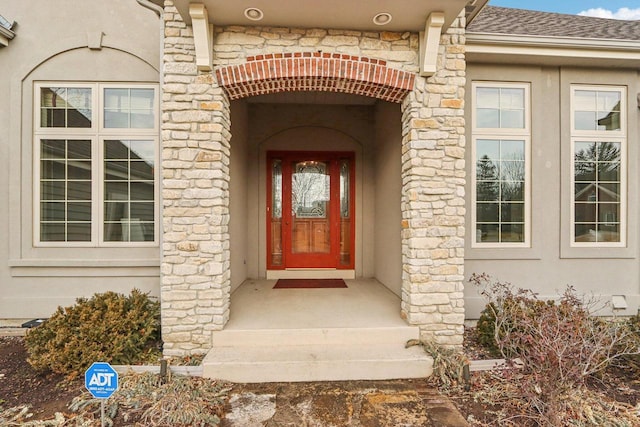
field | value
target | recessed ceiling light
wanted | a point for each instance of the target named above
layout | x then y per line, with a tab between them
382	18
253	13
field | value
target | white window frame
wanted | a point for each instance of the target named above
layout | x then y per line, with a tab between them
97	133
523	134
619	136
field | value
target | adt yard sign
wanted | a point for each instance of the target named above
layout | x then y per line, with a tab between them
101	380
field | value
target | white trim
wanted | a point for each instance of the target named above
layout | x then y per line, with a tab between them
520	49
202	36
96	134
430	43
557	43
523	134
6	35
619	136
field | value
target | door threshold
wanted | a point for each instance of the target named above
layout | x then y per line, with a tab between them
311	273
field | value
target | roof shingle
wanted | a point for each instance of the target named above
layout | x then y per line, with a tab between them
501	20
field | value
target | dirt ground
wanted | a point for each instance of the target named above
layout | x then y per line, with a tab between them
48	394
20	384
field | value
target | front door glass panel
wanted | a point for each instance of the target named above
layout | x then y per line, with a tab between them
345	212
276	212
310	215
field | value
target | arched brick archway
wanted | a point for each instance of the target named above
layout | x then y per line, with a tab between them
272	73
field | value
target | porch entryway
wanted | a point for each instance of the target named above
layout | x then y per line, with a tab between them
315	334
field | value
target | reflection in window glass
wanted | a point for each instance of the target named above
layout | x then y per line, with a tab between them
129	190
65	190
129	108
597	197
310	185
597	110
598	167
91	186
500	107
500	141
65	107
500	190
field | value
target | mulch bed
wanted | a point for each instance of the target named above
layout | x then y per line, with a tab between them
20	384
48	394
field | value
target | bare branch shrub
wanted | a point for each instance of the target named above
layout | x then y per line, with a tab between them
448	363
559	344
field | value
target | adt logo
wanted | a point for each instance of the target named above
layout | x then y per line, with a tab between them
101	380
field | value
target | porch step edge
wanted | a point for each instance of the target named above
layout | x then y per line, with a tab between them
326	336
316	363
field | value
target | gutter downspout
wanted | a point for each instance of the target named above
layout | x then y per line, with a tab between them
160	12
151	6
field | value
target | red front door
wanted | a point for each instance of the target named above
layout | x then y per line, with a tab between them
310	210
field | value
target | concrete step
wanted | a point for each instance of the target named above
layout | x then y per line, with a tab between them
334	354
327	336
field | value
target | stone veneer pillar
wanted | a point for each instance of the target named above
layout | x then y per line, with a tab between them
195	289
433	207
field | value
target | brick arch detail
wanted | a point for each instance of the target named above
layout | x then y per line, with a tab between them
272	73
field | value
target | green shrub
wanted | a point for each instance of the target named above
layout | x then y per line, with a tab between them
108	327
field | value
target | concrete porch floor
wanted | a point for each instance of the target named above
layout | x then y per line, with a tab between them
365	303
353	333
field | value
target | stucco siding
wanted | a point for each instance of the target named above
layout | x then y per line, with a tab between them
550	263
388	185
238	189
52	44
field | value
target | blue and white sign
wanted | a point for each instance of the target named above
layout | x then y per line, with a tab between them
101	380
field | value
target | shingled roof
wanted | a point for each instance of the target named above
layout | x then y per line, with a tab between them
501	20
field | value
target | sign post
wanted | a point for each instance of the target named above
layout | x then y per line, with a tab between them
102	381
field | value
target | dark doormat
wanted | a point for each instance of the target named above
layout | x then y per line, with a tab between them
309	283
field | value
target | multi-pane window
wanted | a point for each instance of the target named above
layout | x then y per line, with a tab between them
598	142
500	213
95	156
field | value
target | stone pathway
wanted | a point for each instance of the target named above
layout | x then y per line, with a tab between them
397	403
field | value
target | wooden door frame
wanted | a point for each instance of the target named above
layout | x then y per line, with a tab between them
330	156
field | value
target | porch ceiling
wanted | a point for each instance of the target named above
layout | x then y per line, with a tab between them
406	15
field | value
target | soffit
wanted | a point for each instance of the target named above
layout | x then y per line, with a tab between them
407	15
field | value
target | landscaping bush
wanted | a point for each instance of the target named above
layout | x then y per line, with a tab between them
559	346
633	324
493	322
486	329
108	327
448	363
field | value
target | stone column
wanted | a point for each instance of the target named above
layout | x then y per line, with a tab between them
195	288
433	179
